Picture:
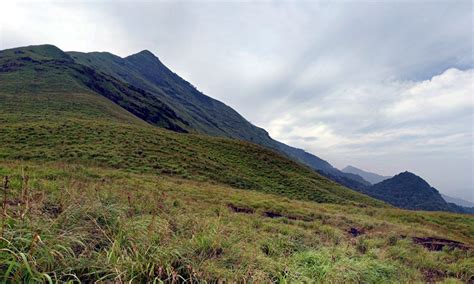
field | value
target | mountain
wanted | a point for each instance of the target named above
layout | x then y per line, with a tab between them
406	190
457	201
142	85
200	113
373	178
53	108
409	191
105	181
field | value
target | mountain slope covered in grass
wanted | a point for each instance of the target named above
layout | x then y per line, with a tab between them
204	114
95	192
67	111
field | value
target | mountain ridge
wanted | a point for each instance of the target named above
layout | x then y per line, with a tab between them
161	102
457	201
371	177
94	193
409	191
204	114
73	113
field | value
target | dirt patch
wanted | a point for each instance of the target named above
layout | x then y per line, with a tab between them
77	249
52	209
268	214
14	202
436	244
302	218
356	232
271	214
433	275
240	209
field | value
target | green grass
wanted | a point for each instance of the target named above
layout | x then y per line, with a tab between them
142	85
110	198
87	223
56	118
149	149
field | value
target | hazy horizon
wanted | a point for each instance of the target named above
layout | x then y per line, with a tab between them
385	87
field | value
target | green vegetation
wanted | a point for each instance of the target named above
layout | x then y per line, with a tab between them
58	118
94	193
93	223
201	113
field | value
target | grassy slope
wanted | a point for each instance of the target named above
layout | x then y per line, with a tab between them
142	221
204	115
32	69
55	117
93	223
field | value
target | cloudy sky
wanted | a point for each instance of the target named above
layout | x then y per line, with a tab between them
384	86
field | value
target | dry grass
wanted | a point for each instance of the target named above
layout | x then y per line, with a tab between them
93	224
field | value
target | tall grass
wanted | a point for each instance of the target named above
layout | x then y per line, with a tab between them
96	224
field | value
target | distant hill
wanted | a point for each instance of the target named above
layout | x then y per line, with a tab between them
406	190
409	191
457	201
373	178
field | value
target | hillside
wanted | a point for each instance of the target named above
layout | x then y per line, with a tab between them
72	113
203	114
95	192
373	178
87	224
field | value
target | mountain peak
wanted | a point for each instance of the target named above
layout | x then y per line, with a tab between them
349	167
409	191
144	54
406	175
373	178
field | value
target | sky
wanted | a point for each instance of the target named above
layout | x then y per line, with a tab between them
385	86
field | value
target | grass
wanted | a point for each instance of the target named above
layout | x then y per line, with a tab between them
148	149
142	85
95	194
49	112
54	118
89	223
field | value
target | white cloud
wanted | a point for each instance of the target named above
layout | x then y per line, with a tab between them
355	116
391	120
445	93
